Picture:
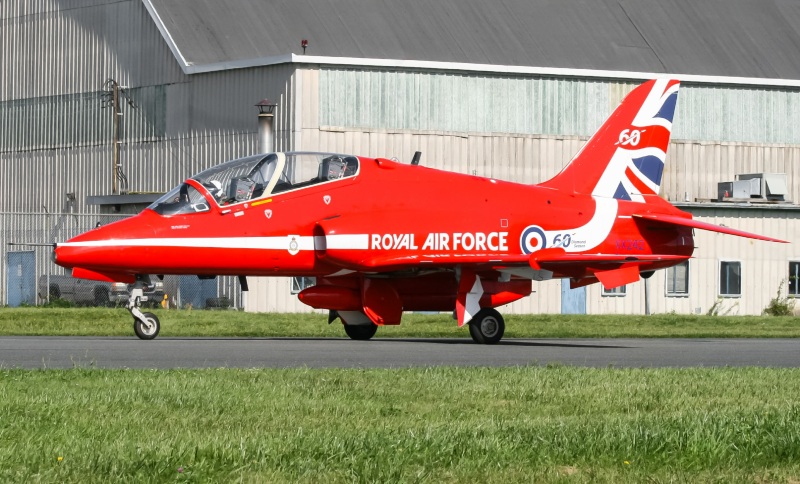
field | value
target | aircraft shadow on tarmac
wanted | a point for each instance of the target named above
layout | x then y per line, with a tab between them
505	342
437	341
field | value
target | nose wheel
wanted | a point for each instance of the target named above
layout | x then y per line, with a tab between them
145	325
147	329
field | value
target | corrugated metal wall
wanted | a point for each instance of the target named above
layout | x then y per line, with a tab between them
57	47
57	55
491	103
693	169
738	114
500	125
56	136
35	181
460	102
53	122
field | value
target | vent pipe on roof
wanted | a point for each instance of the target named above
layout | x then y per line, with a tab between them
266	110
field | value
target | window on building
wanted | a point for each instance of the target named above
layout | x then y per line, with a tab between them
730	278
794	279
678	279
300	283
617	291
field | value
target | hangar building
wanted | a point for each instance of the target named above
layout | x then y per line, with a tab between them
507	89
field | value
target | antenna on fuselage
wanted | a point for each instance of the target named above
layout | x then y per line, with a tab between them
415	159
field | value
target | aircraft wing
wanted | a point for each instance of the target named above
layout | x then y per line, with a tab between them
696	224
558	258
612	270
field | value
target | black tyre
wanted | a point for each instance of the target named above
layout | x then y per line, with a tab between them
360	332
55	291
487	327
144	332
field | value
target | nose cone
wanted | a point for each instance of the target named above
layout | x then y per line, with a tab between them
105	248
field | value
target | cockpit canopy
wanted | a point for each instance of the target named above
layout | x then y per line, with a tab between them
255	177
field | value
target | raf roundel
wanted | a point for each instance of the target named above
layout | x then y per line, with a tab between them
532	239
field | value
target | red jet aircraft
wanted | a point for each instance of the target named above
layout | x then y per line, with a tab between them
383	237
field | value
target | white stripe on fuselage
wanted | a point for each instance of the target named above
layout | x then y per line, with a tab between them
345	241
304	242
590	235
348	241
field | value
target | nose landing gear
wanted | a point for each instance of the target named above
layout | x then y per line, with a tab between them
147	328
145	325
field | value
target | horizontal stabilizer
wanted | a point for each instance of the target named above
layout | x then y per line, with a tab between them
690	222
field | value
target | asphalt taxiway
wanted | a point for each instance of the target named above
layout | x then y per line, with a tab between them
163	353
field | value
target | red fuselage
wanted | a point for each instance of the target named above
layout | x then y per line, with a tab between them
397	216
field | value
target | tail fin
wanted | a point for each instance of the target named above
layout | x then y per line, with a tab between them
624	159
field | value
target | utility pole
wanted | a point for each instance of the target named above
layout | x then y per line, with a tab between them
111	98
115	156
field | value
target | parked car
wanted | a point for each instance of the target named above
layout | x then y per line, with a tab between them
94	293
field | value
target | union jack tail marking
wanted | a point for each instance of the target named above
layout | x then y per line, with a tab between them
625	157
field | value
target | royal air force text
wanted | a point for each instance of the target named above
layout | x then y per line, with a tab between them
439	241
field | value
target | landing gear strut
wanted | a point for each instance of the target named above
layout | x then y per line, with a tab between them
487	327
145	325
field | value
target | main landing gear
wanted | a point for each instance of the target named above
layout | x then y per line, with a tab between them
145	325
487	327
356	324
360	332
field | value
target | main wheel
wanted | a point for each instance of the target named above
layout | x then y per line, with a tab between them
145	332
487	327
360	332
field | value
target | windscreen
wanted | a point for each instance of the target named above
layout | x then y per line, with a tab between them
258	176
182	199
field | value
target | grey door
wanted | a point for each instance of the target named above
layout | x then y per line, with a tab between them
196	292
21	278
573	301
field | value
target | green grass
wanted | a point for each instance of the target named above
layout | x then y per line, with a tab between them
530	424
117	322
